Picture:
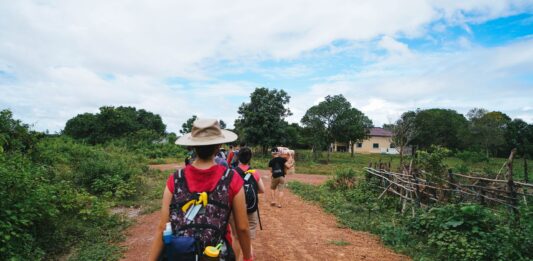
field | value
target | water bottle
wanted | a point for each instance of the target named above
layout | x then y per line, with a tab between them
167	234
212	253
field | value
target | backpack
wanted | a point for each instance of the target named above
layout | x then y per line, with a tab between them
251	189
207	228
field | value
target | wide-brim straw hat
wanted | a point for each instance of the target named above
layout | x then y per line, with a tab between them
206	132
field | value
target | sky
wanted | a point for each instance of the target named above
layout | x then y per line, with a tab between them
59	59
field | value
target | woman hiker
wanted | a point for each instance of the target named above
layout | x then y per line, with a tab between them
198	200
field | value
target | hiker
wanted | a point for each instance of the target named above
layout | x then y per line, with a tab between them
220	158
190	156
198	200
278	168
253	185
233	157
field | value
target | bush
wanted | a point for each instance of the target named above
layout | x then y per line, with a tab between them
450	232
38	216
100	171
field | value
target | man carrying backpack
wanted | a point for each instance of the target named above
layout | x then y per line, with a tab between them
253	185
278	167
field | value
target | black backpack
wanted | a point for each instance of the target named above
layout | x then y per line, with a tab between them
251	190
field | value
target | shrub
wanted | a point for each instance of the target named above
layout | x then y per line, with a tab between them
100	171
38	216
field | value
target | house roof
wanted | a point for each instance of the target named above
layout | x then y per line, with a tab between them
380	132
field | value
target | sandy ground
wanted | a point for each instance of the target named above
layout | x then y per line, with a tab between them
298	231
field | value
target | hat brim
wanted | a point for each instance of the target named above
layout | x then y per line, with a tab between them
187	140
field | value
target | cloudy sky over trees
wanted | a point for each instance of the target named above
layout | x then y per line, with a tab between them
179	58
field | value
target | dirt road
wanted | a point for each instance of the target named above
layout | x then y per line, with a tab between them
298	231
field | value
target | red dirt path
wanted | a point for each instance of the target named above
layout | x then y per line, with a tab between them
298	231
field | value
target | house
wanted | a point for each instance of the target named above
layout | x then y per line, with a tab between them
379	141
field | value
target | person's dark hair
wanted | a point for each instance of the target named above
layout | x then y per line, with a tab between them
206	152
242	144
274	150
245	155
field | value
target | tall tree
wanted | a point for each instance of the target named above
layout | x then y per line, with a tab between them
222	124
262	120
334	119
351	126
519	135
404	131
487	129
114	122
441	127
187	126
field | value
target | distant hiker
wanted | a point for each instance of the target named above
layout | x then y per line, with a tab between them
190	156
253	185
278	167
233	157
198	200
220	158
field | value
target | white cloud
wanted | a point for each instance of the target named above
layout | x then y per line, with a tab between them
58	51
485	78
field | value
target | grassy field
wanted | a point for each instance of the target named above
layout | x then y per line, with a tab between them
343	161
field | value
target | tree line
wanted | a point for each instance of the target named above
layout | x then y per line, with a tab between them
262	122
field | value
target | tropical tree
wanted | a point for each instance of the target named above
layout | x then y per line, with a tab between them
487	129
404	131
187	126
111	123
334	119
442	127
261	121
351	126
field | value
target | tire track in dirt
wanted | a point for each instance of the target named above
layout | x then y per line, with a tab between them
298	231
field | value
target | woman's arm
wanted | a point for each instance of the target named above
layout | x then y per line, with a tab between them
157	244
260	184
241	223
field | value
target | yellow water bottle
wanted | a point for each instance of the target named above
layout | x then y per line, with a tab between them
212	253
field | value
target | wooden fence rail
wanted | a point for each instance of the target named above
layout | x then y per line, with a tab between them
423	189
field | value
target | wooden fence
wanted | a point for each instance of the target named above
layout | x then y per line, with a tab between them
422	189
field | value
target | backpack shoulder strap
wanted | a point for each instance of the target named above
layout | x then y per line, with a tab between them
179	179
240	171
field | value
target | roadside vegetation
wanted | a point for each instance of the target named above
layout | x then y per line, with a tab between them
443	232
59	193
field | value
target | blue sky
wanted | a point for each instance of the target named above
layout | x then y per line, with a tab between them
179	58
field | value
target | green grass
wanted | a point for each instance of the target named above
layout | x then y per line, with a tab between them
343	160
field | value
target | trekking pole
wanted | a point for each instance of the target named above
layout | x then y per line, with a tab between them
259	218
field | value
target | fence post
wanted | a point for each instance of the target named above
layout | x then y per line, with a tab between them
451	184
417	191
367	173
511	186
481	192
526	178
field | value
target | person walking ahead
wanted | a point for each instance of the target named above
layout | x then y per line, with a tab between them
278	167
198	201
253	185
